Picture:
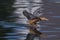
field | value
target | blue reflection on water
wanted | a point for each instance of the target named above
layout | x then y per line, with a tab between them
17	30
56	16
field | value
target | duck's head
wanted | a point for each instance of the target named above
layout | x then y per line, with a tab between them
43	18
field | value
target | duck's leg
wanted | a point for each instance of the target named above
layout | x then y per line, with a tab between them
30	36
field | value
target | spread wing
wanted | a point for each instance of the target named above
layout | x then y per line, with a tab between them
38	12
28	15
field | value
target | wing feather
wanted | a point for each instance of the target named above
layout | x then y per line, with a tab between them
28	15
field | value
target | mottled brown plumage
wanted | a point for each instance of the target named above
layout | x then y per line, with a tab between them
34	21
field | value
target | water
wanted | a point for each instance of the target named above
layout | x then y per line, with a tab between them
50	27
